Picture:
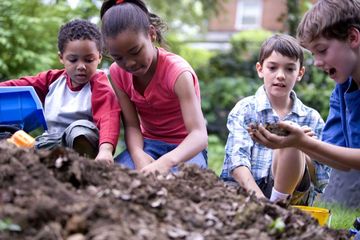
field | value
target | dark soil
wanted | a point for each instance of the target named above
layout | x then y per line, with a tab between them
60	195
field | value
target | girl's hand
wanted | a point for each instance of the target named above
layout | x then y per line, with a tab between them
141	160
294	137
162	166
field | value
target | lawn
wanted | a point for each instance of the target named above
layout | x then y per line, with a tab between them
341	216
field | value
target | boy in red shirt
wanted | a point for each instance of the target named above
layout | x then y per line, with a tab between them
80	107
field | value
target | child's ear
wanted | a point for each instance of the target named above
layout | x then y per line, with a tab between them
100	58
152	33
60	57
354	37
301	73
259	70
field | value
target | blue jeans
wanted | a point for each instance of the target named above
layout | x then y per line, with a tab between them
156	149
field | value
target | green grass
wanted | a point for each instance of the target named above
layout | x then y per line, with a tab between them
341	217
216	153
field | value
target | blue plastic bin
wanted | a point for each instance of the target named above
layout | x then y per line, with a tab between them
21	106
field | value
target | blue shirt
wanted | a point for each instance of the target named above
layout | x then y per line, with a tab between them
241	150
342	127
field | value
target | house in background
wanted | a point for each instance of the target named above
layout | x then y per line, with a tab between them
238	15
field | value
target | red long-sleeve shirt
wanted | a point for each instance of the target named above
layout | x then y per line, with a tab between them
63	104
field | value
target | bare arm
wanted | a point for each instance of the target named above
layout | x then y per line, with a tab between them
341	158
196	140
337	157
243	176
133	136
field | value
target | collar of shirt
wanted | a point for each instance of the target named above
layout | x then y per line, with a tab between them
263	102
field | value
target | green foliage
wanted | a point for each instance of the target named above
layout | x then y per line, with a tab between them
7	225
28	29
315	89
28	34
295	10
241	59
22	38
229	77
216	153
219	96
248	41
197	58
277	226
185	12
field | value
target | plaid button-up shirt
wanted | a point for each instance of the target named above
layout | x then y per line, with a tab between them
241	150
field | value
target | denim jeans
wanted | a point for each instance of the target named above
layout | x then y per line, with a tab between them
156	149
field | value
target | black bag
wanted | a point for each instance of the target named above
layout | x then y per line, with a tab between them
7	131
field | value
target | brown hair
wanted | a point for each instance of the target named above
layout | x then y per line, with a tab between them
329	19
284	44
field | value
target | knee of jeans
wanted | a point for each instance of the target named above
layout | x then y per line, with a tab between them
204	153
199	160
125	159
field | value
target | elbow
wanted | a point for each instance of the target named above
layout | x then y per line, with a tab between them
205	144
205	140
199	139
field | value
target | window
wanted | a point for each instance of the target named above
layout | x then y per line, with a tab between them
248	14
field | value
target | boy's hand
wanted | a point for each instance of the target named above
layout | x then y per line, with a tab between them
294	137
105	156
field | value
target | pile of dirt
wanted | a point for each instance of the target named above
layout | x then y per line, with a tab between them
60	195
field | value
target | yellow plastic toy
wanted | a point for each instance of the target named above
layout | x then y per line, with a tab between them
22	139
323	215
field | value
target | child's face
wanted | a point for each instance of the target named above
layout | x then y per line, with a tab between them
280	74
334	57
81	59
133	51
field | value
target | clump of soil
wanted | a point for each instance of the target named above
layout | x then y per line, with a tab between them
60	195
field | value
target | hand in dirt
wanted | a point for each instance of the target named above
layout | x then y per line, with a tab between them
105	155
270	140
141	160
161	166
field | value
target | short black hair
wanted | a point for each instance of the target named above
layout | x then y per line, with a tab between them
79	29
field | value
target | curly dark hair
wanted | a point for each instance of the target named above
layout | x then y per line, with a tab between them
79	29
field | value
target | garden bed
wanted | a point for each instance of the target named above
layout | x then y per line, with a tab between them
60	195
